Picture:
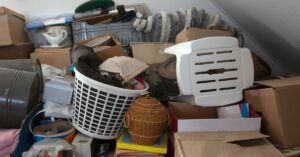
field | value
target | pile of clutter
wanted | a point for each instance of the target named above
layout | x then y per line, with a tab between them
137	84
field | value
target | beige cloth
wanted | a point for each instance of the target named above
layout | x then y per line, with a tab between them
127	67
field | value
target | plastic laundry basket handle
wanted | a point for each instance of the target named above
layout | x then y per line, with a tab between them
127	120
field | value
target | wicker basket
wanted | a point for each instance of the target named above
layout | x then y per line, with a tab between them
146	120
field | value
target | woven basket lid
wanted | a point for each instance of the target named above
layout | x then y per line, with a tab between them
148	103
168	69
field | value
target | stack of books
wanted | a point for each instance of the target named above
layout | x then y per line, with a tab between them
127	148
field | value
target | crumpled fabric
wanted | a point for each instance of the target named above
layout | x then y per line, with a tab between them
51	146
8	141
87	62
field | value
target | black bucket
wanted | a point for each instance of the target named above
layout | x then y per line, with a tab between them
31	65
19	93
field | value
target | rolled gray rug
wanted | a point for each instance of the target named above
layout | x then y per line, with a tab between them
182	19
156	31
200	16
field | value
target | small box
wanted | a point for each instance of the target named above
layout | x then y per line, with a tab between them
189	34
190	118
58	91
59	58
12	26
83	145
279	104
19	51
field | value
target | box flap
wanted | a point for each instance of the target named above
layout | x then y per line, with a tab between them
4	10
221	136
276	83
261	148
100	40
214	144
150	53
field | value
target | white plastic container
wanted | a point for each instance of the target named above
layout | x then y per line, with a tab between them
212	71
98	109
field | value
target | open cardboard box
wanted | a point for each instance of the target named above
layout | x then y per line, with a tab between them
59	58
278	101
224	144
190	118
105	52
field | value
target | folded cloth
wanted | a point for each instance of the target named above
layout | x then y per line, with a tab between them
127	67
8	141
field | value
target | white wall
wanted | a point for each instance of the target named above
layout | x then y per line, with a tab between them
42	8
274	24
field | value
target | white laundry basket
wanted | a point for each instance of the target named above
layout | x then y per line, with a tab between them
212	71
98	108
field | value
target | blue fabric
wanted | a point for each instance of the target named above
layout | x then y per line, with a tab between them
25	136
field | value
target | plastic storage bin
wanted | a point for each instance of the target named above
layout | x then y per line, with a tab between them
212	71
98	109
123	31
36	37
19	94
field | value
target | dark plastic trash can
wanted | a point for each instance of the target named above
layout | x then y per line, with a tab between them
19	93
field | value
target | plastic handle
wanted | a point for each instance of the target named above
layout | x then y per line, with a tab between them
127	120
64	35
30	123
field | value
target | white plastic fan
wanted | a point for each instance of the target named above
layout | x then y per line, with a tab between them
212	71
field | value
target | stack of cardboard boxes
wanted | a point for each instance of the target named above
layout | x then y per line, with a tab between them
196	131
14	43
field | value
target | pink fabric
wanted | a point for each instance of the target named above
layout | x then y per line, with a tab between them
8	141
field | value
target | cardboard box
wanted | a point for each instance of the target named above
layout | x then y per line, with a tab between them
12	26
189	34
84	146
224	144
278	102
190	118
105	52
19	51
133	153
59	58
150	53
